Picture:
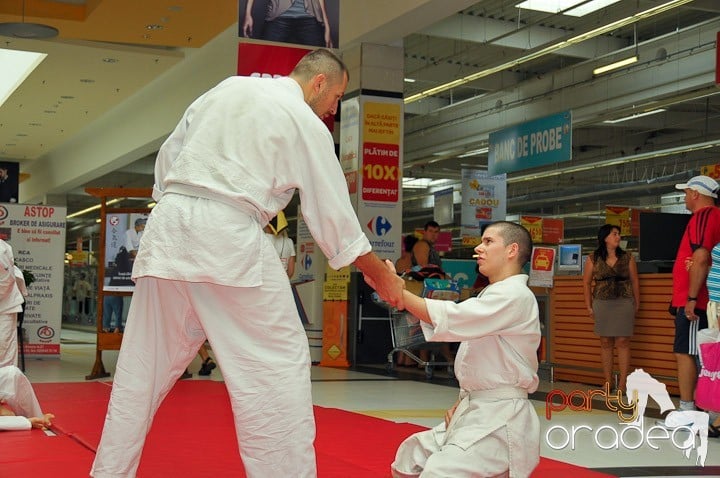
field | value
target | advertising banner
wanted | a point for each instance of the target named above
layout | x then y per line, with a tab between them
542	267
268	61
619	216
535	143
534	225
307	254
484	200
350	144
122	240
553	230
443	208
381	151
544	230
463	271
37	236
313	23
379	203
336	283
272	61
712	170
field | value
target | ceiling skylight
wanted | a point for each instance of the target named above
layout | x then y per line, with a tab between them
555	6
16	67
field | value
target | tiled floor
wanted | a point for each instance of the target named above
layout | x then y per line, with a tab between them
407	396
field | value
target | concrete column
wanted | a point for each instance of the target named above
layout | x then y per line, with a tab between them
371	142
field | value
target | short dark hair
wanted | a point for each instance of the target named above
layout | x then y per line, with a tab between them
320	61
430	224
515	234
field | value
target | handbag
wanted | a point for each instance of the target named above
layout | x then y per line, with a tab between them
707	391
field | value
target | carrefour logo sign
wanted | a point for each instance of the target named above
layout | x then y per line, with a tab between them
379	226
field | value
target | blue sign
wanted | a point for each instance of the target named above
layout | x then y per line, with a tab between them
463	271
539	142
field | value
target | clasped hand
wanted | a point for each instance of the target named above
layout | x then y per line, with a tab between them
389	287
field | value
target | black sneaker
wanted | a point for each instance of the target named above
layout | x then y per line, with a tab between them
185	375
207	367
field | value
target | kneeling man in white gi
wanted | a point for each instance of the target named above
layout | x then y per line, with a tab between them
492	430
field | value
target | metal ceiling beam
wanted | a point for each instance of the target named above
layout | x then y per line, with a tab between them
482	29
688	66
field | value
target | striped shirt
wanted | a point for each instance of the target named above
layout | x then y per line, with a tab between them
713	280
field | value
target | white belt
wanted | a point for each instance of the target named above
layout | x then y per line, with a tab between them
192	191
504	393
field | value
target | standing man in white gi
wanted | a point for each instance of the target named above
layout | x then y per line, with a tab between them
492	430
11	300
207	270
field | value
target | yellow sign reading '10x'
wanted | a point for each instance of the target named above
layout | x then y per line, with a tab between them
380	171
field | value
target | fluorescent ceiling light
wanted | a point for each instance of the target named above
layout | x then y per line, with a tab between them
442	182
416	183
650	12
94	208
614	162
474	152
16	67
409	80
637	115
565	6
616	65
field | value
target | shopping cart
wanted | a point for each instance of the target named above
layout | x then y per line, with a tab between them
406	329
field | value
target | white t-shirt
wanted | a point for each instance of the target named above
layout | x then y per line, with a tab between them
284	247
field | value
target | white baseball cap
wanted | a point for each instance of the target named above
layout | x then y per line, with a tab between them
705	185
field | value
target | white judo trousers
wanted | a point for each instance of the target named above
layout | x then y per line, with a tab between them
8	340
12	289
488	436
261	349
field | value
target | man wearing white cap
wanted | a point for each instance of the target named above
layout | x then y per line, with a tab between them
690	294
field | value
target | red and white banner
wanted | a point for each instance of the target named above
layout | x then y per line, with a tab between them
271	61
268	60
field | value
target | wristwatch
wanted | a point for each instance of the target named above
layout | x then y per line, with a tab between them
694	299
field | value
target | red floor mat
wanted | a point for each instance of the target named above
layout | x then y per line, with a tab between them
193	436
31	453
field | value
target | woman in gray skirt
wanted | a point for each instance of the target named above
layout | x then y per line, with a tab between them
612	297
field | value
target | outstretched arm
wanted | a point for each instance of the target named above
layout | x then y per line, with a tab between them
381	276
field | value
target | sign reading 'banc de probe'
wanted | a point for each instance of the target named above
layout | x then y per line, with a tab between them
539	142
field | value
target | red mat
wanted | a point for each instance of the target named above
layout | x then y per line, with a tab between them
193	436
